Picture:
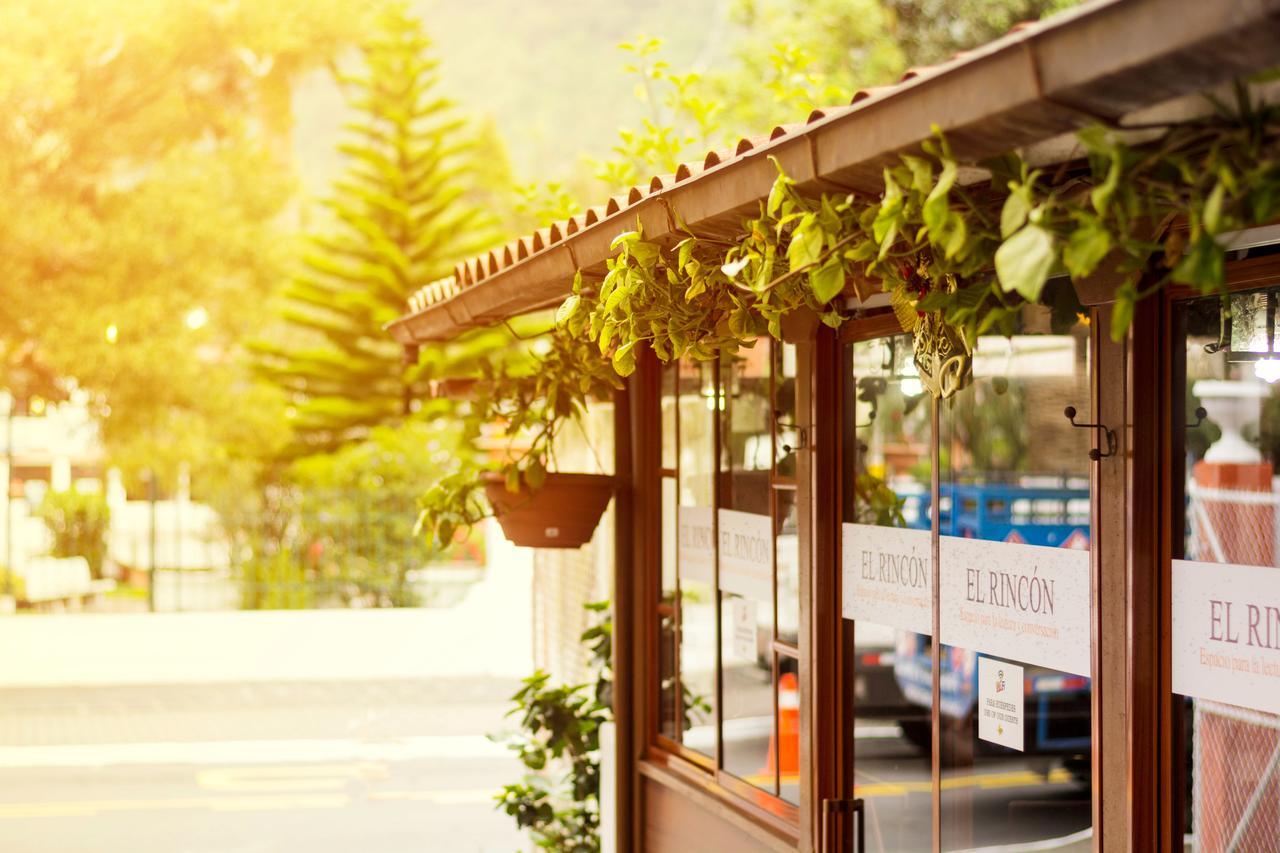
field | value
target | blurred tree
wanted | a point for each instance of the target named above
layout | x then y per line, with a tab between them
144	183
786	58
401	218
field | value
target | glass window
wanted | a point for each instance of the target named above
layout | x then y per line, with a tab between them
1225	587
887	570
1015	588
746	561
667	613
695	555
731	525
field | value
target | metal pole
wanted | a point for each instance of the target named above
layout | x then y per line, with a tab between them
151	582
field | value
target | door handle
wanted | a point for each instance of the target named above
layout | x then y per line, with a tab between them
835	830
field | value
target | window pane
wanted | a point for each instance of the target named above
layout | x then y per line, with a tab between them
746	541
886	481
696	555
784	404
1015	701
1226	625
785	508
669	709
788	545
668	408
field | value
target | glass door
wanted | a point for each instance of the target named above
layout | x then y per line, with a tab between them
1015	590
1225	573
1011	762
887	557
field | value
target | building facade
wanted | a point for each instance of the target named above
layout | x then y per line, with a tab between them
1041	612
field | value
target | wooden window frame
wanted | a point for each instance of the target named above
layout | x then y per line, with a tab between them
768	810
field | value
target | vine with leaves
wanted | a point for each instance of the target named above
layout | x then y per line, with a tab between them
967	254
531	403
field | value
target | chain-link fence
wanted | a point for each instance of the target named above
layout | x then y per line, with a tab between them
1236	779
1235	761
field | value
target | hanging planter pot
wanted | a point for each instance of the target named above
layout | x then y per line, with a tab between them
563	513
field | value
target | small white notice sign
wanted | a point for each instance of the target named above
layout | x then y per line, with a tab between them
746	554
1226	633
744	628
1000	717
888	576
696	543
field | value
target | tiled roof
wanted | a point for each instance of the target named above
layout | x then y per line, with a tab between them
1101	61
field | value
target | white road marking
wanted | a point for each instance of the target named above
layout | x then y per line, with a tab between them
301	751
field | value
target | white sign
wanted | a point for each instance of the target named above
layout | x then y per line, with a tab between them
1026	602
744	628
1226	633
746	554
887	576
696	544
1000	718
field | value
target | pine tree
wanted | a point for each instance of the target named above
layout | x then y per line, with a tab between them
403	214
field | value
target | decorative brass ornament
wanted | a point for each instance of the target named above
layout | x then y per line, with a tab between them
942	355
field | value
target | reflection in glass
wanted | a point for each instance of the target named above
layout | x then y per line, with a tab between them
1230	505
1014	470
788	564
695	555
746	609
668	640
886	474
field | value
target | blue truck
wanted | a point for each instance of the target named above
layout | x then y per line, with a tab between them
1044	511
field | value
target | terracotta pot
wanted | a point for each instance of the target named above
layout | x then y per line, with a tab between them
564	513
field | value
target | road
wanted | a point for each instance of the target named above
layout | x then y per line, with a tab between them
320	767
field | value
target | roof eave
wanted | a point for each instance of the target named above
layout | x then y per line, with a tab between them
1100	63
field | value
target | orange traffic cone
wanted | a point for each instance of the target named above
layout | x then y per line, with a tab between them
784	746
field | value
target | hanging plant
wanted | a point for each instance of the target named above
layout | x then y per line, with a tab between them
959	261
532	407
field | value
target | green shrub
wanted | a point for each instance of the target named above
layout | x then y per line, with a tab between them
79	523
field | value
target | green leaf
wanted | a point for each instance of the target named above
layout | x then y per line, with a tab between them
1101	194
1015	211
937	205
921	173
1122	311
827	280
886	221
777	194
624	359
568	309
806	242
1203	266
684	251
624	237
1088	244
1212	214
535	474
1023	262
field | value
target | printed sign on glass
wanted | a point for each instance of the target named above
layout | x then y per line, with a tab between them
1226	633
1026	602
1000	710
888	576
746	554
696	543
745	628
